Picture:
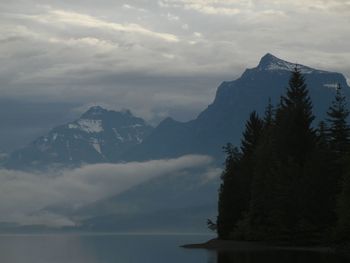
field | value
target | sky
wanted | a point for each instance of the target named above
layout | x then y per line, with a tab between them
157	58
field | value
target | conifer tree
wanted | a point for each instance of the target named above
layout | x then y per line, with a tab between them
295	143
339	141
339	130
234	196
294	118
257	223
269	114
251	139
227	194
324	180
322	134
251	135
343	211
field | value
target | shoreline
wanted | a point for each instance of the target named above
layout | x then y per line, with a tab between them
231	245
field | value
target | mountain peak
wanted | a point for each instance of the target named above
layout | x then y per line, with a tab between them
94	111
270	56
96	108
126	112
97	111
270	62
267	59
99	135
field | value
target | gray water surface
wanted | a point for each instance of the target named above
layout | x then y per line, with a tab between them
136	249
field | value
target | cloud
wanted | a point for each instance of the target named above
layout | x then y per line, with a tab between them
90	41
59	17
172	17
209	7
234	7
85	52
24	196
131	7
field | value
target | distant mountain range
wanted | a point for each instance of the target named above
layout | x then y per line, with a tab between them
101	135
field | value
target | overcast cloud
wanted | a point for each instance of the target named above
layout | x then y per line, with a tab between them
24	196
157	58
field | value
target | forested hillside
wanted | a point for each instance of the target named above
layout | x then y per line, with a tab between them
289	181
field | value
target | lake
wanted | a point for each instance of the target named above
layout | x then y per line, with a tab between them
123	248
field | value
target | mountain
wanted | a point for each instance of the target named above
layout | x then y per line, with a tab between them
108	136
99	135
223	121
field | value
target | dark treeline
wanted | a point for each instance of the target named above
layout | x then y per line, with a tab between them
289	180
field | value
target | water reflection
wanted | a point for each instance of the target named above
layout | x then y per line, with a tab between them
137	249
277	256
43	249
100	249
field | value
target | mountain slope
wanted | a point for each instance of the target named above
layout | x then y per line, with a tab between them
99	135
223	120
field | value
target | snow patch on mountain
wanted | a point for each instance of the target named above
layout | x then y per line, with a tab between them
271	63
90	126
133	126
139	140
87	125
96	144
117	134
331	85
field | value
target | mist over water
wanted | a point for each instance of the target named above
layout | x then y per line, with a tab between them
95	248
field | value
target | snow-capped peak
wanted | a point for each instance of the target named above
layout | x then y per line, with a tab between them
270	62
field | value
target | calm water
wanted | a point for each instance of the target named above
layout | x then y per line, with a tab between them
134	249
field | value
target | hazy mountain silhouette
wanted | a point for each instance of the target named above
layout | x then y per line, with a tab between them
99	135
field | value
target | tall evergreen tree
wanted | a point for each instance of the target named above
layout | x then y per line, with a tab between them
321	133
343	210
234	196
251	135
249	145
228	196
339	140
339	130
269	114
325	183
258	223
295	143
294	118
338	136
